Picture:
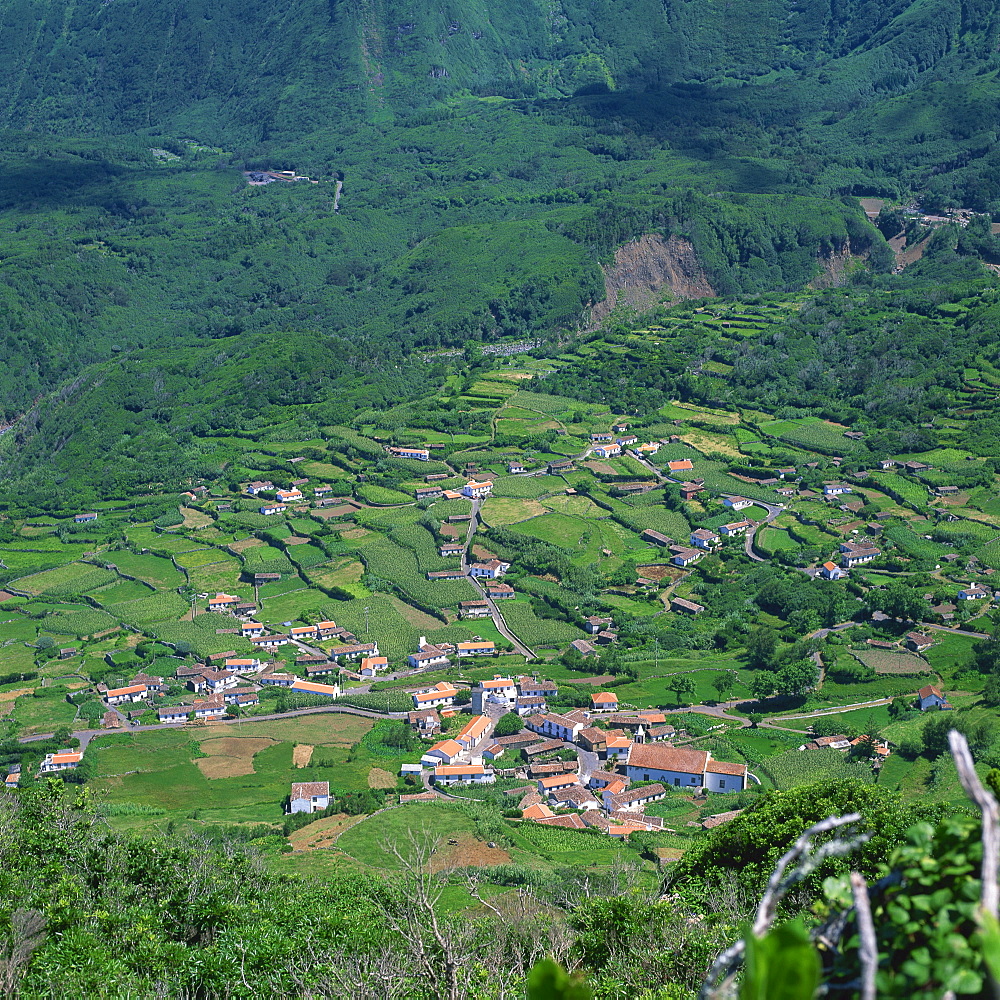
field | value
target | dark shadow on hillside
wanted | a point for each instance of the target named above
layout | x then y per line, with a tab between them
723	126
44	183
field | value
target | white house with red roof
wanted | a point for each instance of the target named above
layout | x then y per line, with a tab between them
476	491
64	760
489	570
604	701
442	693
932	697
683	768
465	774
445	752
309	796
473	732
131	694
830	571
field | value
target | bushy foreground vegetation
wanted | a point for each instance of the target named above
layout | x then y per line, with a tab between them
216	921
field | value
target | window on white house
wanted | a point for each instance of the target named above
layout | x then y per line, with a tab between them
645	777
677	781
722	783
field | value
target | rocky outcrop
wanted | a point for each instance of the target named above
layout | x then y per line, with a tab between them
650	270
836	267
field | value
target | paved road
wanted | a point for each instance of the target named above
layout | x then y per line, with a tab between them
773	511
495	613
875	703
652	468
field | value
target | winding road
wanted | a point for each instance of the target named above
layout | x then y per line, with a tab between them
495	614
773	511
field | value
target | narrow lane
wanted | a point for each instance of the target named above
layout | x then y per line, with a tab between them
495	614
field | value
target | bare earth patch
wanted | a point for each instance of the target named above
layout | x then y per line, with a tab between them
467	852
595	681
302	754
354	533
323	833
480	552
601	468
297	540
377	778
416	617
230	756
245	543
659	572
7	698
195	518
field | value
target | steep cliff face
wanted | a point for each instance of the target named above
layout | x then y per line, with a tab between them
650	270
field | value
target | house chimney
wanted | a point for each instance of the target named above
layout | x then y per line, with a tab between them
422	643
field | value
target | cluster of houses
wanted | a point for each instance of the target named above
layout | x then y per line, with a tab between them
614	800
439	654
634	742
284	498
602	632
845	744
488	569
472	490
225	680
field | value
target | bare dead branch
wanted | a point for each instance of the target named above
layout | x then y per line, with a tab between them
866	931
987	805
725	966
27	933
778	884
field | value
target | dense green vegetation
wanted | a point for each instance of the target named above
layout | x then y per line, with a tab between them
489	160
479	178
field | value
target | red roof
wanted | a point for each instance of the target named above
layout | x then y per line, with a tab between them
659	757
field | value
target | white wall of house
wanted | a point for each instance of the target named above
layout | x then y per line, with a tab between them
723	782
315	804
676	779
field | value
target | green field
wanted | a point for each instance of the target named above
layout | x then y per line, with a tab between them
73	578
535	631
154	570
228	773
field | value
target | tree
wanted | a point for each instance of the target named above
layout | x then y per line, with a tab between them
831	725
397	735
991	691
508	725
723	685
870	739
804	620
761	645
682	686
897	600
747	848
934	734
900	706
762	685
756	718
797	678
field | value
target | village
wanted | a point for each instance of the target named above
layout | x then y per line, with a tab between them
422	603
